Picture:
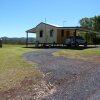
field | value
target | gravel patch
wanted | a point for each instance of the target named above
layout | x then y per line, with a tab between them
73	79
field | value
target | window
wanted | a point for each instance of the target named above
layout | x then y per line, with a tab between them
41	33
51	33
62	33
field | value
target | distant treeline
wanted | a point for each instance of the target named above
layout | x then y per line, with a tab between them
22	40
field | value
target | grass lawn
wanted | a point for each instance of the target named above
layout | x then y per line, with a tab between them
13	68
90	54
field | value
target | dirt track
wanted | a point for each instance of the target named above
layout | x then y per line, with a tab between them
73	79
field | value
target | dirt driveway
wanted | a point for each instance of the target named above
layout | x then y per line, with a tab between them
73	79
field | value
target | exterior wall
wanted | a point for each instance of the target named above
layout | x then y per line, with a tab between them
57	38
67	33
46	33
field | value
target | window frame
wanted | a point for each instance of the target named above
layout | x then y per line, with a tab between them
51	32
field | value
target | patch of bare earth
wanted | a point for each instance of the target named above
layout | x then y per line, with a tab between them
29	89
95	59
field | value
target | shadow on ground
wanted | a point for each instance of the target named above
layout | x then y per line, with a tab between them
64	47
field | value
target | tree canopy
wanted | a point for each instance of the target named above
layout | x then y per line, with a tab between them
92	23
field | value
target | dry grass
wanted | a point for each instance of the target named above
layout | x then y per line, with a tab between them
90	55
13	68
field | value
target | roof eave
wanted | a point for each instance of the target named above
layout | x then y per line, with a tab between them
33	30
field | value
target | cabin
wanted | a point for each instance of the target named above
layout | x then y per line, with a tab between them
50	34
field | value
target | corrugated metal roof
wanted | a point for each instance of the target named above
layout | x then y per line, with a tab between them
33	30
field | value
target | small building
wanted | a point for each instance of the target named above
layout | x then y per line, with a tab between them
49	34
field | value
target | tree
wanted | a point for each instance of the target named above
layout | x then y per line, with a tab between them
87	22
97	23
92	23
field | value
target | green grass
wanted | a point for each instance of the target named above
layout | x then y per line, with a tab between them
13	68
91	54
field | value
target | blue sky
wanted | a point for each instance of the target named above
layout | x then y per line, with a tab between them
16	16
